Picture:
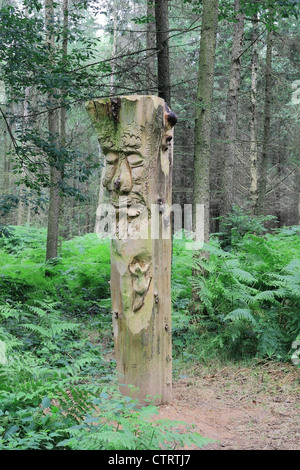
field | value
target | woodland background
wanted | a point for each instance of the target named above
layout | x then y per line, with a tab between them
109	48
229	69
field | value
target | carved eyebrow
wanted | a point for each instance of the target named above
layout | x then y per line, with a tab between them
135	159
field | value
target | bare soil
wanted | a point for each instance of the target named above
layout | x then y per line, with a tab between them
249	408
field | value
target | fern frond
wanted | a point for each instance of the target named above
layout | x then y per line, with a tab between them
7	311
241	314
40	330
267	295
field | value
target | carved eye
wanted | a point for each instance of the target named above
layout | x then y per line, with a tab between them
137	174
111	158
135	160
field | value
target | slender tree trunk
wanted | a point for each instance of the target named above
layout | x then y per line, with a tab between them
53	128
227	183
150	44
267	126
5	175
204	111
253	122
201	186
114	47
5	181
297	188
21	206
63	108
162	46
101	188
63	118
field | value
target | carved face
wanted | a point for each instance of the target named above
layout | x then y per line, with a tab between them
124	177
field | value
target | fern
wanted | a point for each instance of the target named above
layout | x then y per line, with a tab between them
252	294
7	311
118	425
241	314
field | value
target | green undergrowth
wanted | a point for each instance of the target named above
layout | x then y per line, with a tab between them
58	384
78	278
249	299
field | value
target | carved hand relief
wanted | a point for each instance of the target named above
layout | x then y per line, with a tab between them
132	264
140	274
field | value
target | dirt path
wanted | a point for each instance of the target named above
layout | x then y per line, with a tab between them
243	409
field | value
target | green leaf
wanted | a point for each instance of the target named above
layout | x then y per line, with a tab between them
241	314
46	402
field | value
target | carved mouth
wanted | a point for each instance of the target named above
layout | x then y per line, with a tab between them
131	212
120	202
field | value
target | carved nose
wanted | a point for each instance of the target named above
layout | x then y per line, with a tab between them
117	184
123	180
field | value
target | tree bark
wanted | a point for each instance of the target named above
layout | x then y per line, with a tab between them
53	128
267	126
101	188
162	46
297	192
253	121
22	205
227	183
63	108
114	47
201	184
201	190
150	44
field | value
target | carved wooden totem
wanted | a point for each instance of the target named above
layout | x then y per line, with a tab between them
135	134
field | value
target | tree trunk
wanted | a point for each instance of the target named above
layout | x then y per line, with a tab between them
114	47
227	183
135	133
201	190
253	122
162	46
297	192
150	44
53	128
22	205
63	109
201	186
267	126
101	189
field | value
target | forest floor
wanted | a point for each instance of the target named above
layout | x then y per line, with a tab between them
242	408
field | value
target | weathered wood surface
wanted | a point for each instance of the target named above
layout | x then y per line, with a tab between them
135	133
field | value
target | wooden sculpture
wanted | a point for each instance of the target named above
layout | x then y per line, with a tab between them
135	134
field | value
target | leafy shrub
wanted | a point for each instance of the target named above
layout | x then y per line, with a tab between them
240	222
252	295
